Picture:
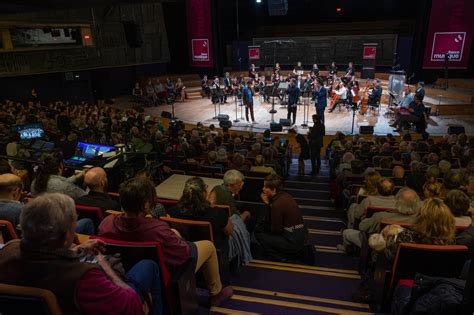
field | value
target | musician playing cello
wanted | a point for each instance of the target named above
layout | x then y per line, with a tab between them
341	95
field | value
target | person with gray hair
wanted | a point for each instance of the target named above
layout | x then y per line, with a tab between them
224	194
459	204
46	258
407	205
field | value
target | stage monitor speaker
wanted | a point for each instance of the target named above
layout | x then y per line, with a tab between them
276	127
285	122
366	130
277	7
225	124
132	34
455	130
222	117
165	114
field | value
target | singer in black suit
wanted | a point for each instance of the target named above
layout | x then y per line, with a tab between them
293	96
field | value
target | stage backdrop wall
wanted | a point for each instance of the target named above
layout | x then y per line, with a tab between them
325	49
199	16
450	31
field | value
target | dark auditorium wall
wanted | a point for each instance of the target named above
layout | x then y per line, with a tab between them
108	32
107	70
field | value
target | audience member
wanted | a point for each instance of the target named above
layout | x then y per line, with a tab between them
45	258
10	193
459	204
284	234
137	197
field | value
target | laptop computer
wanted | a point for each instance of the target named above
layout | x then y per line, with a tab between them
86	151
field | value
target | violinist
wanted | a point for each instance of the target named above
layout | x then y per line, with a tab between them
253	73
298	70
350	73
320	98
376	94
340	96
277	67
217	92
333	69
276	77
205	86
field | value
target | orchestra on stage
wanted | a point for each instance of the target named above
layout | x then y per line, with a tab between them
334	92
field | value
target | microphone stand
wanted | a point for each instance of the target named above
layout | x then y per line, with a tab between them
236	110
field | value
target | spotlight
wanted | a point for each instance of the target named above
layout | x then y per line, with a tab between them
259	1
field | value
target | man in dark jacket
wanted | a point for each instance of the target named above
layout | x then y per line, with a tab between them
293	96
320	96
316	135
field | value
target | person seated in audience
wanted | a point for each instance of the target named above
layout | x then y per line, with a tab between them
224	194
459	204
140	141
260	167
444	167
46	258
407	205
432	188
137	197
137	93
417	177
255	150
284	234
212	160
434	225
384	198
96	180
452	180
194	205
398	175
48	177
370	188
10	194
238	163
222	155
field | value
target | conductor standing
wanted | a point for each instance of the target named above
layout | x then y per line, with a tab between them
293	96
320	97
247	96
316	135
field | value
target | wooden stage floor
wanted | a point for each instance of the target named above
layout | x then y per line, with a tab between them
202	110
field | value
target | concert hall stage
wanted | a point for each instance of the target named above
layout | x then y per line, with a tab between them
202	110
455	106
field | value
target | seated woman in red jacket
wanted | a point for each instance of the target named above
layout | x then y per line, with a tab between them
137	197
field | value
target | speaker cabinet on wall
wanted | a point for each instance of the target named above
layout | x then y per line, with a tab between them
132	34
366	130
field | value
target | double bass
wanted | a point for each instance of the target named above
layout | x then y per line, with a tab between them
365	98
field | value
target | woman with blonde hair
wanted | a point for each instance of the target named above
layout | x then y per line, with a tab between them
434	225
432	189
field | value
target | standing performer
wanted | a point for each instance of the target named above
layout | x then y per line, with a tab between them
315	70
320	98
333	69
218	94
316	135
247	97
227	86
253	73
293	95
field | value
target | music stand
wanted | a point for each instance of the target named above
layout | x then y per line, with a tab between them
274	94
282	88
306	96
215	100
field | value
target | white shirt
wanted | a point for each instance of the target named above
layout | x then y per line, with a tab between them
342	92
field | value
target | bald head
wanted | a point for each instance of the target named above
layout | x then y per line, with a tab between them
10	186
96	179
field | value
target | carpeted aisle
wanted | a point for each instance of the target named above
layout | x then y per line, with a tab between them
265	287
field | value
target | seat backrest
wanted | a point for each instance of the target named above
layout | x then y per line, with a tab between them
7	231
27	300
369	212
93	213
191	230
225	208
430	260
211	169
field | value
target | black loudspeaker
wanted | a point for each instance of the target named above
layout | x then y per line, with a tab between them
276	127
222	117
455	130
132	34
166	115
225	124
366	130
285	122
